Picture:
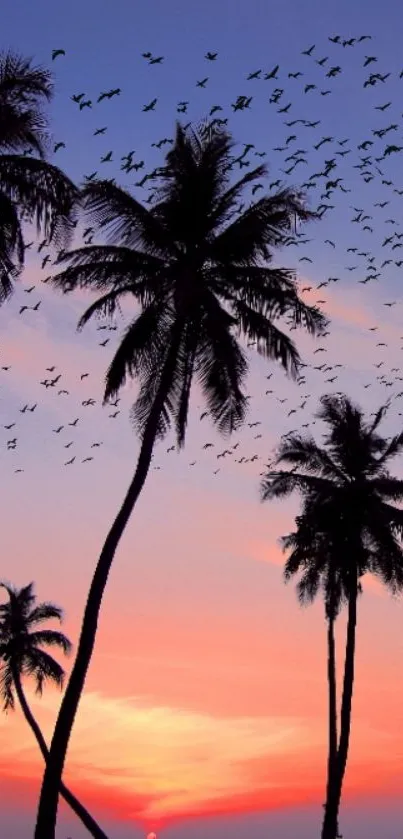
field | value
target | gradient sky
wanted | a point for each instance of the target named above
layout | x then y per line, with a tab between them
205	707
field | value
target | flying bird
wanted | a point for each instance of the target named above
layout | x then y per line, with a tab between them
151	105
273	73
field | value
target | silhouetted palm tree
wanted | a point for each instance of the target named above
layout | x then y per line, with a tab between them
200	273
21	655
346	489
31	189
315	555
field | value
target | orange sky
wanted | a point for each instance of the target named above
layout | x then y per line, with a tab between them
207	691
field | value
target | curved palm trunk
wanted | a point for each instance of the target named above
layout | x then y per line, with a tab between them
330	822
331	678
47	810
68	796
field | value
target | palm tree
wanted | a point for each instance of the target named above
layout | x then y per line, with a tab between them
199	272
316	559
348	527
31	188
22	654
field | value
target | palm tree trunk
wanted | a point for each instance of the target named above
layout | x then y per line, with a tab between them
330	822
331	678
47	809
68	796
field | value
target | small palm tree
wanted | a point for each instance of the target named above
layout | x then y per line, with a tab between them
22	654
201	276
348	527
31	188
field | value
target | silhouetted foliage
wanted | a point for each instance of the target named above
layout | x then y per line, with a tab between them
22	655
349	526
31	189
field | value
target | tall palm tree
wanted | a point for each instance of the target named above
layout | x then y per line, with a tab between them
353	527
315	555
31	188
201	276
22	654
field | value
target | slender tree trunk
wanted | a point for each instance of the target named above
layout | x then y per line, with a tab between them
68	796
330	822
48	802
331	678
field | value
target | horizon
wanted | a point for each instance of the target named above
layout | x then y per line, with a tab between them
205	706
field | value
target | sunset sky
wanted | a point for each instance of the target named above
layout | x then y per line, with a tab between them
205	708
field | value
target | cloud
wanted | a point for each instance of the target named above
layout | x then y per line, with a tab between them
172	760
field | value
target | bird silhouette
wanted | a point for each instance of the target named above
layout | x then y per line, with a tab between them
273	73
151	105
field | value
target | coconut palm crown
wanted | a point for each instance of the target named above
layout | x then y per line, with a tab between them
32	190
22	643
198	270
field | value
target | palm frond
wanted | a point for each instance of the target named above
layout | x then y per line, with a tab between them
271	342
281	484
392	448
197	161
221	367
304	452
142	347
387	487
43	612
125	220
105	306
51	638
43	668
43	193
227	203
146	398
262	226
183	381
23	89
11	247
106	267
20	81
22	130
6	687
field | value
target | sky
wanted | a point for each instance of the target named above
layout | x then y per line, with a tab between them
204	712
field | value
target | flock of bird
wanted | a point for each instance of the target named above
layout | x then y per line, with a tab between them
353	184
